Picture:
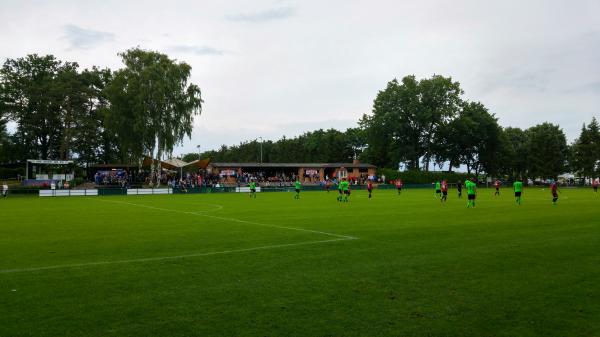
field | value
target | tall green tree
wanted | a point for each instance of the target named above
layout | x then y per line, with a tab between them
472	139
356	140
514	151
408	119
33	96
586	150
92	140
4	141
547	151
152	103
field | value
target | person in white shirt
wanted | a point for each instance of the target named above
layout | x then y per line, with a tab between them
4	189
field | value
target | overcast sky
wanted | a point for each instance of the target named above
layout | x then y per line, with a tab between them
271	68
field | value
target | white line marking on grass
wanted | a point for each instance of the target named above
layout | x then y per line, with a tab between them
163	258
347	237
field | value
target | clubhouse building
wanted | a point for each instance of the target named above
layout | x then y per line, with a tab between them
308	172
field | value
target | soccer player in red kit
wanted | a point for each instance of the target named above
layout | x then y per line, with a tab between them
554	190
399	185
595	183
497	186
444	191
370	187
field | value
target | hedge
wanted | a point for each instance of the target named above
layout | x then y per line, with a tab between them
421	177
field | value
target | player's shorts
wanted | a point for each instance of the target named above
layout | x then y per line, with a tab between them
370	190
347	192
554	195
297	190
340	191
471	196
517	194
438	191
497	188
253	190
445	193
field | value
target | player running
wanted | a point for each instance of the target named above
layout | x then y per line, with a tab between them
370	187
4	189
554	190
252	189
399	185
595	184
438	189
444	191
459	188
497	186
471	192
298	186
518	187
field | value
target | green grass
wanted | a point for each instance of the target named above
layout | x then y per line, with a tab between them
416	267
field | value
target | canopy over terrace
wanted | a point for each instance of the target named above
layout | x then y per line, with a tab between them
308	172
176	164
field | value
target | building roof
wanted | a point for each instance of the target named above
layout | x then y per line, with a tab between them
292	165
50	162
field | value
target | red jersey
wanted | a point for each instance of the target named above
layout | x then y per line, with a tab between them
497	183
553	188
595	182
370	185
399	183
444	186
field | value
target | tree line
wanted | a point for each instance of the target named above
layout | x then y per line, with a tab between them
147	108
96	115
425	124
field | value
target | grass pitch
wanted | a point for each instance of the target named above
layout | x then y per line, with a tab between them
228	265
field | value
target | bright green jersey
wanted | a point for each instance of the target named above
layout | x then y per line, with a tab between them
298	184
518	186
438	186
470	187
252	185
344	185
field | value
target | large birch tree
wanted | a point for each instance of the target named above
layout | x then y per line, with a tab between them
152	104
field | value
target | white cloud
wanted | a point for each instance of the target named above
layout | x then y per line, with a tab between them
81	38
271	14
197	50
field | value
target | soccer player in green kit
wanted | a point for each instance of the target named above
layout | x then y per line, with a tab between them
340	192
438	189
253	189
298	186
518	187
471	192
345	189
